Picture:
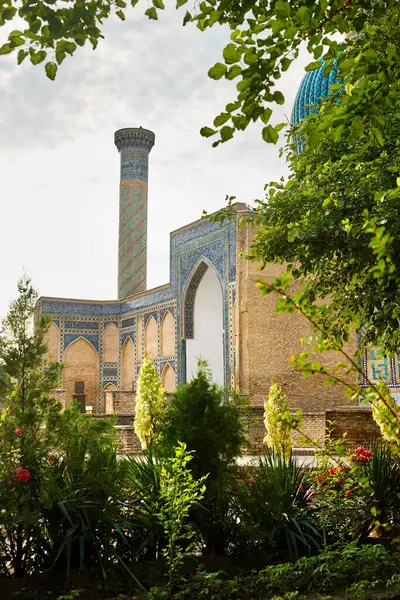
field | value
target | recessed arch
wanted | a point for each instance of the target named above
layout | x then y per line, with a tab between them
167	335
203	320
110	343
109	387
81	364
151	337
190	291
168	379
52	342
127	365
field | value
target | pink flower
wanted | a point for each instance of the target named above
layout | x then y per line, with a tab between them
18	431
22	474
301	488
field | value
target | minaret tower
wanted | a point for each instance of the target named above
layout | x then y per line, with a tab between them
134	145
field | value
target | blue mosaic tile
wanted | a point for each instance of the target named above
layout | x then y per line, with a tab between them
71	337
82	325
127	334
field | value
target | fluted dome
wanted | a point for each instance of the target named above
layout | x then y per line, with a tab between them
312	91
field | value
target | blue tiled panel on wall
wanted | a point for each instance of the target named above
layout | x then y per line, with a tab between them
71	337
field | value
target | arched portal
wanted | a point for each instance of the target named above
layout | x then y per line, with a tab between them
127	360
203	322
81	373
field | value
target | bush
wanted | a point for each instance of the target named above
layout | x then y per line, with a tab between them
210	423
273	509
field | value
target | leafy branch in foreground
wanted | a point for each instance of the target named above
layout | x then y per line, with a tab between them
346	371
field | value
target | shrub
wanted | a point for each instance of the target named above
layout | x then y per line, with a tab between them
273	508
276	413
210	423
150	403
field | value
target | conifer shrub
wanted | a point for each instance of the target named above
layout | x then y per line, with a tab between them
210	422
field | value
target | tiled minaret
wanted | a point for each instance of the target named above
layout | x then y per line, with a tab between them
134	145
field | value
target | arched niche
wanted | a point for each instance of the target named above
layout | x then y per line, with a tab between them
151	337
168	379
203	322
167	336
52	342
81	364
110	343
109	387
127	365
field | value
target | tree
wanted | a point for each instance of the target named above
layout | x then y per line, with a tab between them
276	412
265	40
150	403
210	422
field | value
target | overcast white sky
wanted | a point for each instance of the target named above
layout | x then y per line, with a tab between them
59	167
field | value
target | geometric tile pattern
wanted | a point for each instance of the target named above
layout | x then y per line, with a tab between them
134	146
312	90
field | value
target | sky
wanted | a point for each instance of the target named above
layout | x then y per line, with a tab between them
59	168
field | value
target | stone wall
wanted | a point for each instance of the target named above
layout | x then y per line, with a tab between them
357	423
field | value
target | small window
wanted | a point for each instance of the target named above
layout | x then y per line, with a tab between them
79	388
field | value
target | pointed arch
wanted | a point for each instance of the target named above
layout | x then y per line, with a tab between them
203	321
190	291
109	387
81	364
168	379
151	337
127	365
110	343
52	342
167	335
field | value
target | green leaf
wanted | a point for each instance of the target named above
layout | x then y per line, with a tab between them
5	49
187	17
221	119
37	57
120	14
159	4
231	54
265	117
270	135
180	3
217	71
51	70
60	55
134	2
151	13
227	133
22	54
233	72
278	97
313	65
207	131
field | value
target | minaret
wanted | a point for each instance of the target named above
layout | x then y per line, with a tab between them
134	145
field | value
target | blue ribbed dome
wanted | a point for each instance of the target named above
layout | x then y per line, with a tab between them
313	89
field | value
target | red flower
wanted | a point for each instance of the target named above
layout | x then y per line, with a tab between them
18	431
198	572
249	494
348	493
309	505
301	488
333	471
22	474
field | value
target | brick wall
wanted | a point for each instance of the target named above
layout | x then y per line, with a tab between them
266	340
357	423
